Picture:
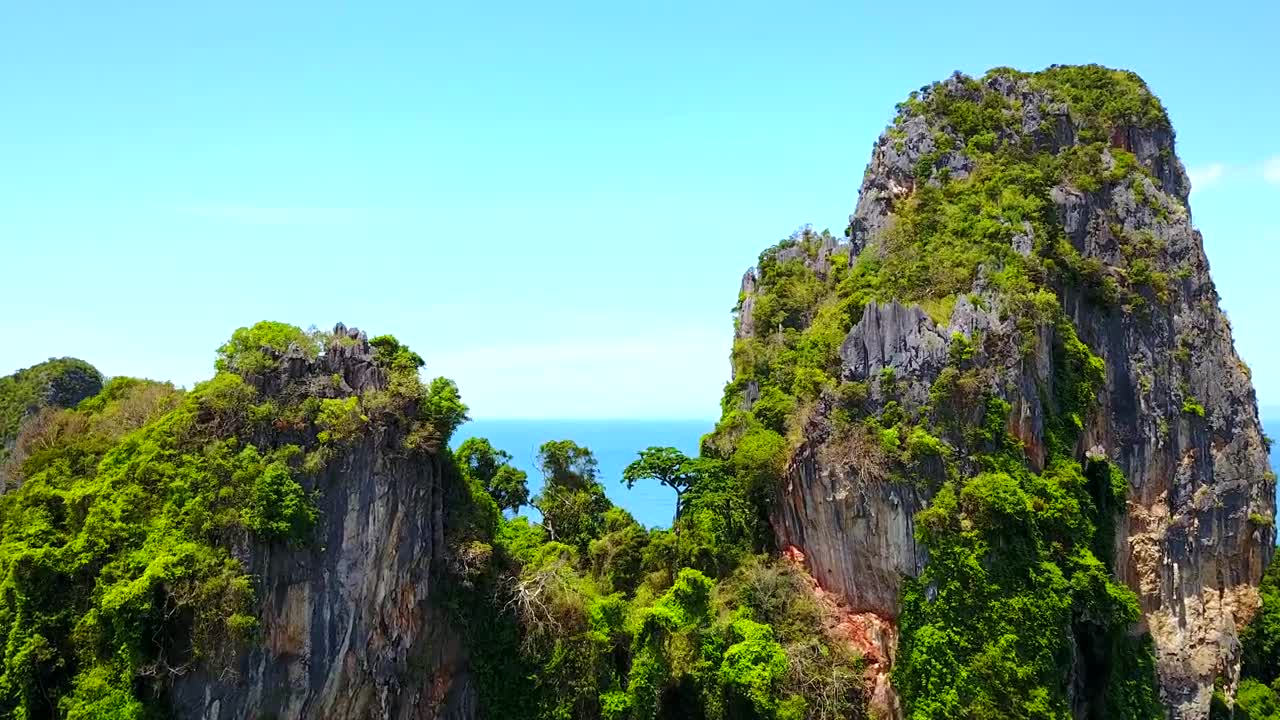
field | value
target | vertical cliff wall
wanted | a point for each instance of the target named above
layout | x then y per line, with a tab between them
348	627
1001	222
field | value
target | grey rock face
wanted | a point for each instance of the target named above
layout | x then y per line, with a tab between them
817	260
898	338
1190	544
348	626
891	177
67	389
856	531
745	326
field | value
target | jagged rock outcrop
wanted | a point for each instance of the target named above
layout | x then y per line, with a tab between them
349	626
1177	414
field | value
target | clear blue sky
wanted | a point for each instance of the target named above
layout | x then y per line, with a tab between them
552	202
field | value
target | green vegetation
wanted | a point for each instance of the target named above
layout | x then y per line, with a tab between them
671	468
341	420
56	383
1254	701
492	469
948	229
116	570
589	615
1102	99
257	350
115	564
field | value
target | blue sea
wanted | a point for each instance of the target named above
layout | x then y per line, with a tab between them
615	444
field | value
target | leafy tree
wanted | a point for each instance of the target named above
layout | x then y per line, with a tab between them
668	466
671	644
566	464
443	411
389	352
572	501
492	468
618	556
718	522
278	508
574	517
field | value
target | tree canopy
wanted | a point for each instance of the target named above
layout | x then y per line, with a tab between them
492	468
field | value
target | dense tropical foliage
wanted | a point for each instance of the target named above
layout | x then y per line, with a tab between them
592	615
116	570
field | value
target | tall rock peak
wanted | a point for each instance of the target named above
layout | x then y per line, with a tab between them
1010	381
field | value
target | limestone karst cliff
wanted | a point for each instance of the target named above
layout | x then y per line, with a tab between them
264	545
989	454
348	625
1021	263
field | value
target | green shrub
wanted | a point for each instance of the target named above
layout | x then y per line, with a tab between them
754	666
773	407
921	444
1256	701
1103	99
441	411
340	421
278	506
890	439
256	350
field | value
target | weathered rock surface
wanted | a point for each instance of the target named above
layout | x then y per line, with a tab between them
1178	413
902	339
348	626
